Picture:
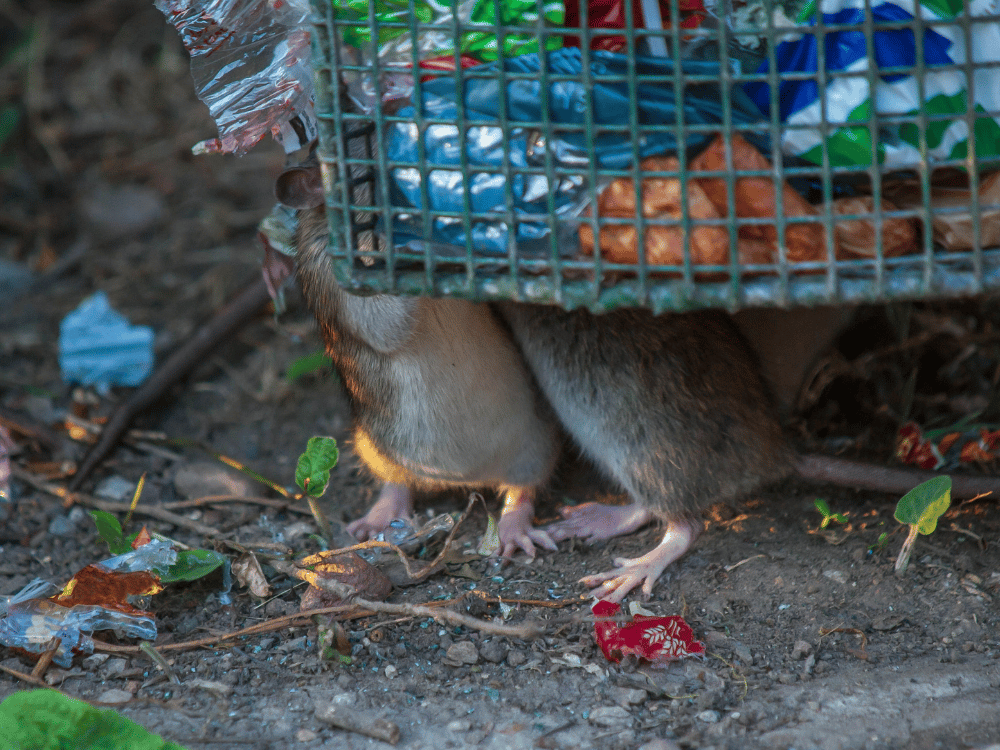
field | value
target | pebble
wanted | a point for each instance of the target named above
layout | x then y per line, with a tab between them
516	658
459	725
390	671
115	488
610	716
306	735
801	650
836	575
114	696
203	478
494	651
743	653
660	744
463	652
62	526
709	717
627	696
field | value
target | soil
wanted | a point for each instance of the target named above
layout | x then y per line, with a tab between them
812	640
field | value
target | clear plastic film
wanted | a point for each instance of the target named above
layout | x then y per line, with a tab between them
251	67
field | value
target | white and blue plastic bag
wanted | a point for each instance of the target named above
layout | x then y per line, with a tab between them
851	99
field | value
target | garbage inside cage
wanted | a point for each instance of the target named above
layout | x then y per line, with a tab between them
702	140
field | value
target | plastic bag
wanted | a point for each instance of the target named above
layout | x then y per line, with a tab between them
525	150
851	98
251	67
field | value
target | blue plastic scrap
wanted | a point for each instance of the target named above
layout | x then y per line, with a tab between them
99	347
525	145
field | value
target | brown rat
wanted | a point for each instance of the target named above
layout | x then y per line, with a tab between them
671	407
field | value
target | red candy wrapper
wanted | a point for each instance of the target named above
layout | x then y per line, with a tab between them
978	445
656	639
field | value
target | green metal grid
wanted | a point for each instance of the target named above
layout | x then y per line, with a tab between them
362	216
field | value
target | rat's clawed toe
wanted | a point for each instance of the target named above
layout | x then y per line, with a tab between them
394	501
631	572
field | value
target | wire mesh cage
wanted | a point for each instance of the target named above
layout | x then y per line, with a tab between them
666	154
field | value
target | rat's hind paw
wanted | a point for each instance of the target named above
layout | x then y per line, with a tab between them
596	521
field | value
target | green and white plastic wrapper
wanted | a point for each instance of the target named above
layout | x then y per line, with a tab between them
943	95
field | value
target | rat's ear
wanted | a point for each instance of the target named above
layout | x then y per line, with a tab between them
300	187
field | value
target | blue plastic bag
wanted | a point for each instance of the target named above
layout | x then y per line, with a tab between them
490	156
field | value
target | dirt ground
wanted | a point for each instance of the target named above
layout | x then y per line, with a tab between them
812	641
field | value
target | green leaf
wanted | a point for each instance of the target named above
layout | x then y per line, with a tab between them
822	507
312	473
193	564
307	365
924	504
47	720
111	532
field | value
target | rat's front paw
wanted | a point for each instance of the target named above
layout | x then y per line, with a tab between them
394	501
516	529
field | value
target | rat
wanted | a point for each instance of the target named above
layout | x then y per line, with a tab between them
673	408
449	393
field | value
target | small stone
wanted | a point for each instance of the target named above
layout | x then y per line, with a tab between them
463	652
306	735
836	575
709	717
62	526
113	667
627	696
95	660
390	671
203	478
801	649
610	716
494	650
786	678
115	488
516	658
114	696
743	653
459	725
660	744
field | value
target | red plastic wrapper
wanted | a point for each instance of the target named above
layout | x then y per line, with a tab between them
656	639
979	445
610	14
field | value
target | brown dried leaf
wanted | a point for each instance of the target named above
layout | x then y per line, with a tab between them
347	568
954	230
247	570
856	237
661	198
756	197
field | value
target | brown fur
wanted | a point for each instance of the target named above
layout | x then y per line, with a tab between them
440	394
672	407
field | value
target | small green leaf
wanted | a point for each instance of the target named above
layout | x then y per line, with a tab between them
821	506
47	720
924	504
111	532
490	544
193	564
307	365
312	473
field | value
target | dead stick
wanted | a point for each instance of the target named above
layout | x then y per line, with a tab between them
225	322
45	660
112	507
